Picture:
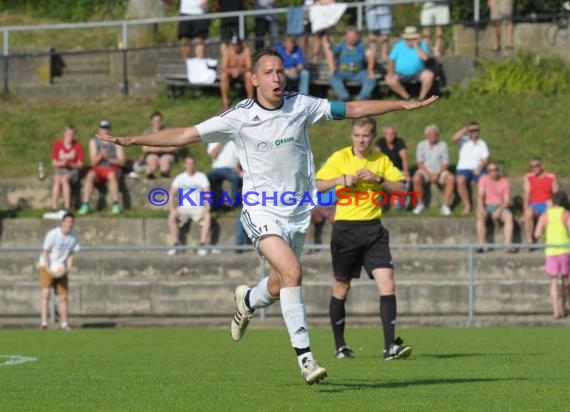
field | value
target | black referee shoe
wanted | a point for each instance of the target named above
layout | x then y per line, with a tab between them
344	352
398	350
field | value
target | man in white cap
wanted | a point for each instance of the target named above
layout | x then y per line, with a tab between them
407	64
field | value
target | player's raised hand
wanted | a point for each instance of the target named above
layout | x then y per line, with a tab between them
418	105
106	137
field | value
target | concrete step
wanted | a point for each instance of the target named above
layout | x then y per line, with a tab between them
148	283
190	298
154	231
411	265
29	192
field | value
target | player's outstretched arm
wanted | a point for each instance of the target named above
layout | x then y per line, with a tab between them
357	109
180	136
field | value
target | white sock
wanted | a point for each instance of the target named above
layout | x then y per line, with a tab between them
295	317
259	296
306	355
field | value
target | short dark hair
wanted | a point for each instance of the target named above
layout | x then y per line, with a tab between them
560	198
156	113
189	156
68	214
265	51
70	126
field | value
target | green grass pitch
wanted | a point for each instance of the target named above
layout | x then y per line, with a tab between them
502	369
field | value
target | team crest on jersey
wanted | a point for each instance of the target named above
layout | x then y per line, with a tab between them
264	146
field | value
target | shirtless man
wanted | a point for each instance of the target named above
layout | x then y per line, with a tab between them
236	65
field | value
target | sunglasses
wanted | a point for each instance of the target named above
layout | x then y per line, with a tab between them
493	169
535	166
473	130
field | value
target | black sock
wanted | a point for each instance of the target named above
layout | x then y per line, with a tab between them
246	299
388	317
337	314
301	351
318	238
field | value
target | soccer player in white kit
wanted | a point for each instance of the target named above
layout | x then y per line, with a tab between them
271	136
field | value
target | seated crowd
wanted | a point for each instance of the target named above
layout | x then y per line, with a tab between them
476	179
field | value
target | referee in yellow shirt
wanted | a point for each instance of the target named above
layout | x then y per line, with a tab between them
358	237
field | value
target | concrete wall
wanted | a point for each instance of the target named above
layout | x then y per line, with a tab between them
138	282
536	37
152	284
29	192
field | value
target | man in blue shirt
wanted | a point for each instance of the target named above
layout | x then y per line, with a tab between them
348	61
407	63
294	64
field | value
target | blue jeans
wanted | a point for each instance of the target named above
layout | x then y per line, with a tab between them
338	79
240	232
216	178
301	80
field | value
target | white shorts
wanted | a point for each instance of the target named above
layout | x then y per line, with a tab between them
434	14
379	22
187	214
292	229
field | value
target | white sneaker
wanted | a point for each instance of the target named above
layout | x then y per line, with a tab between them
243	314
419	208
172	252
445	210
133	175
202	252
312	373
216	251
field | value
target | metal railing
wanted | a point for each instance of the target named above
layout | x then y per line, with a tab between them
125	25
469	248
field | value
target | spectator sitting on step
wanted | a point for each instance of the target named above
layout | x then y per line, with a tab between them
395	148
473	158
407	63
432	157
224	167
556	223
266	23
501	11
193	32
236	66
379	24
67	161
196	211
294	63
106	162
158	157
538	188
434	13
348	61
322	213
493	201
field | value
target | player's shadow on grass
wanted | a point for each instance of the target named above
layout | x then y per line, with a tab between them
469	355
332	386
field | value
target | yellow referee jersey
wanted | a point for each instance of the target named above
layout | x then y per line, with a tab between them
362	201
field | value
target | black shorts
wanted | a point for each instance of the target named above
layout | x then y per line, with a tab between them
355	244
193	28
229	29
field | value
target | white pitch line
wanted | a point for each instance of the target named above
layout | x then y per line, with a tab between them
16	360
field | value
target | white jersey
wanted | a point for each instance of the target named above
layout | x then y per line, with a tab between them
274	150
191	7
227	156
59	246
198	181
